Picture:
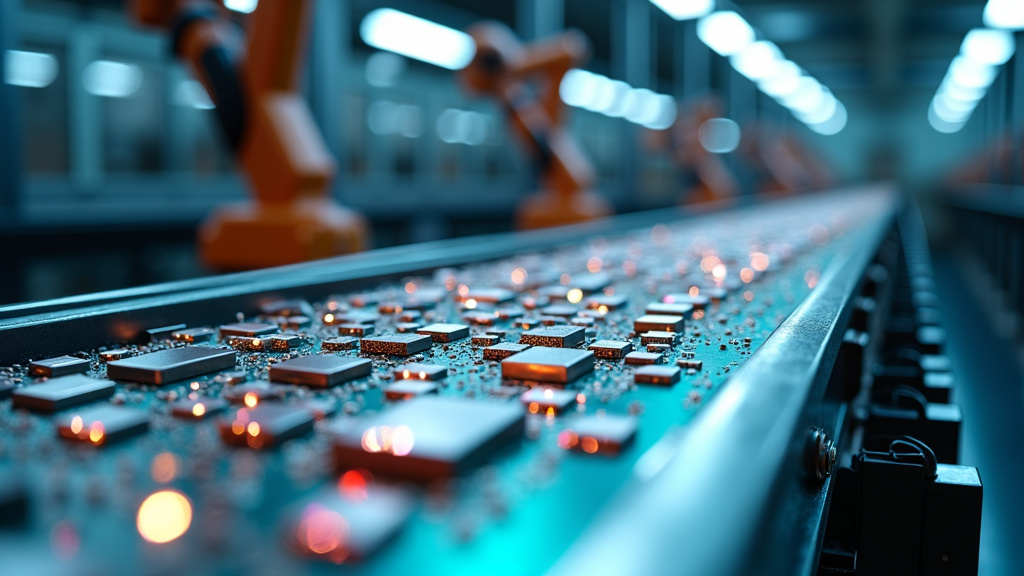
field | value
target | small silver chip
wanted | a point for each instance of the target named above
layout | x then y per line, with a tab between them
658	337
339	343
250	329
171	365
320	370
193	335
546	400
669	309
658	322
544	364
62	392
643	357
445	332
103	424
417	371
406	389
428	437
60	366
266	425
599	434
610	348
396	344
554	336
503	350
662	375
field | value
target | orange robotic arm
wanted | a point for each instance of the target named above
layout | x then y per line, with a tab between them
504	69
269	126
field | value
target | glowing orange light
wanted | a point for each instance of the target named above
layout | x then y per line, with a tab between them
811	278
567	439
594	265
519	276
164	467
746	275
422	375
708	263
410	287
549	393
534	407
589	444
602	309
574	296
694	291
322	531
551	411
406	374
759	261
96	432
198	409
470	303
76	425
238	428
251	399
194	385
719	272
581	398
463	289
352	485
253	429
328	318
164	516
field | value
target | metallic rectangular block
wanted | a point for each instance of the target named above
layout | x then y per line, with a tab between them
60	393
320	370
171	365
545	364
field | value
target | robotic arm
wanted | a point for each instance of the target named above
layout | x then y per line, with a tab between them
525	80
268	126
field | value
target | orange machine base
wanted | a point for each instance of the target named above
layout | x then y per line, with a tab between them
545	209
248	236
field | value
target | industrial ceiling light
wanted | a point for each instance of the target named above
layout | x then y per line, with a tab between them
834	124
783	82
29	69
941	125
969	74
956	92
243	6
987	46
408	35
757	61
807	96
719	135
824	110
685	9
1008	14
725	32
111	79
943	111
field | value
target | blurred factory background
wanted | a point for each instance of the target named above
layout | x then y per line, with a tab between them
110	153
